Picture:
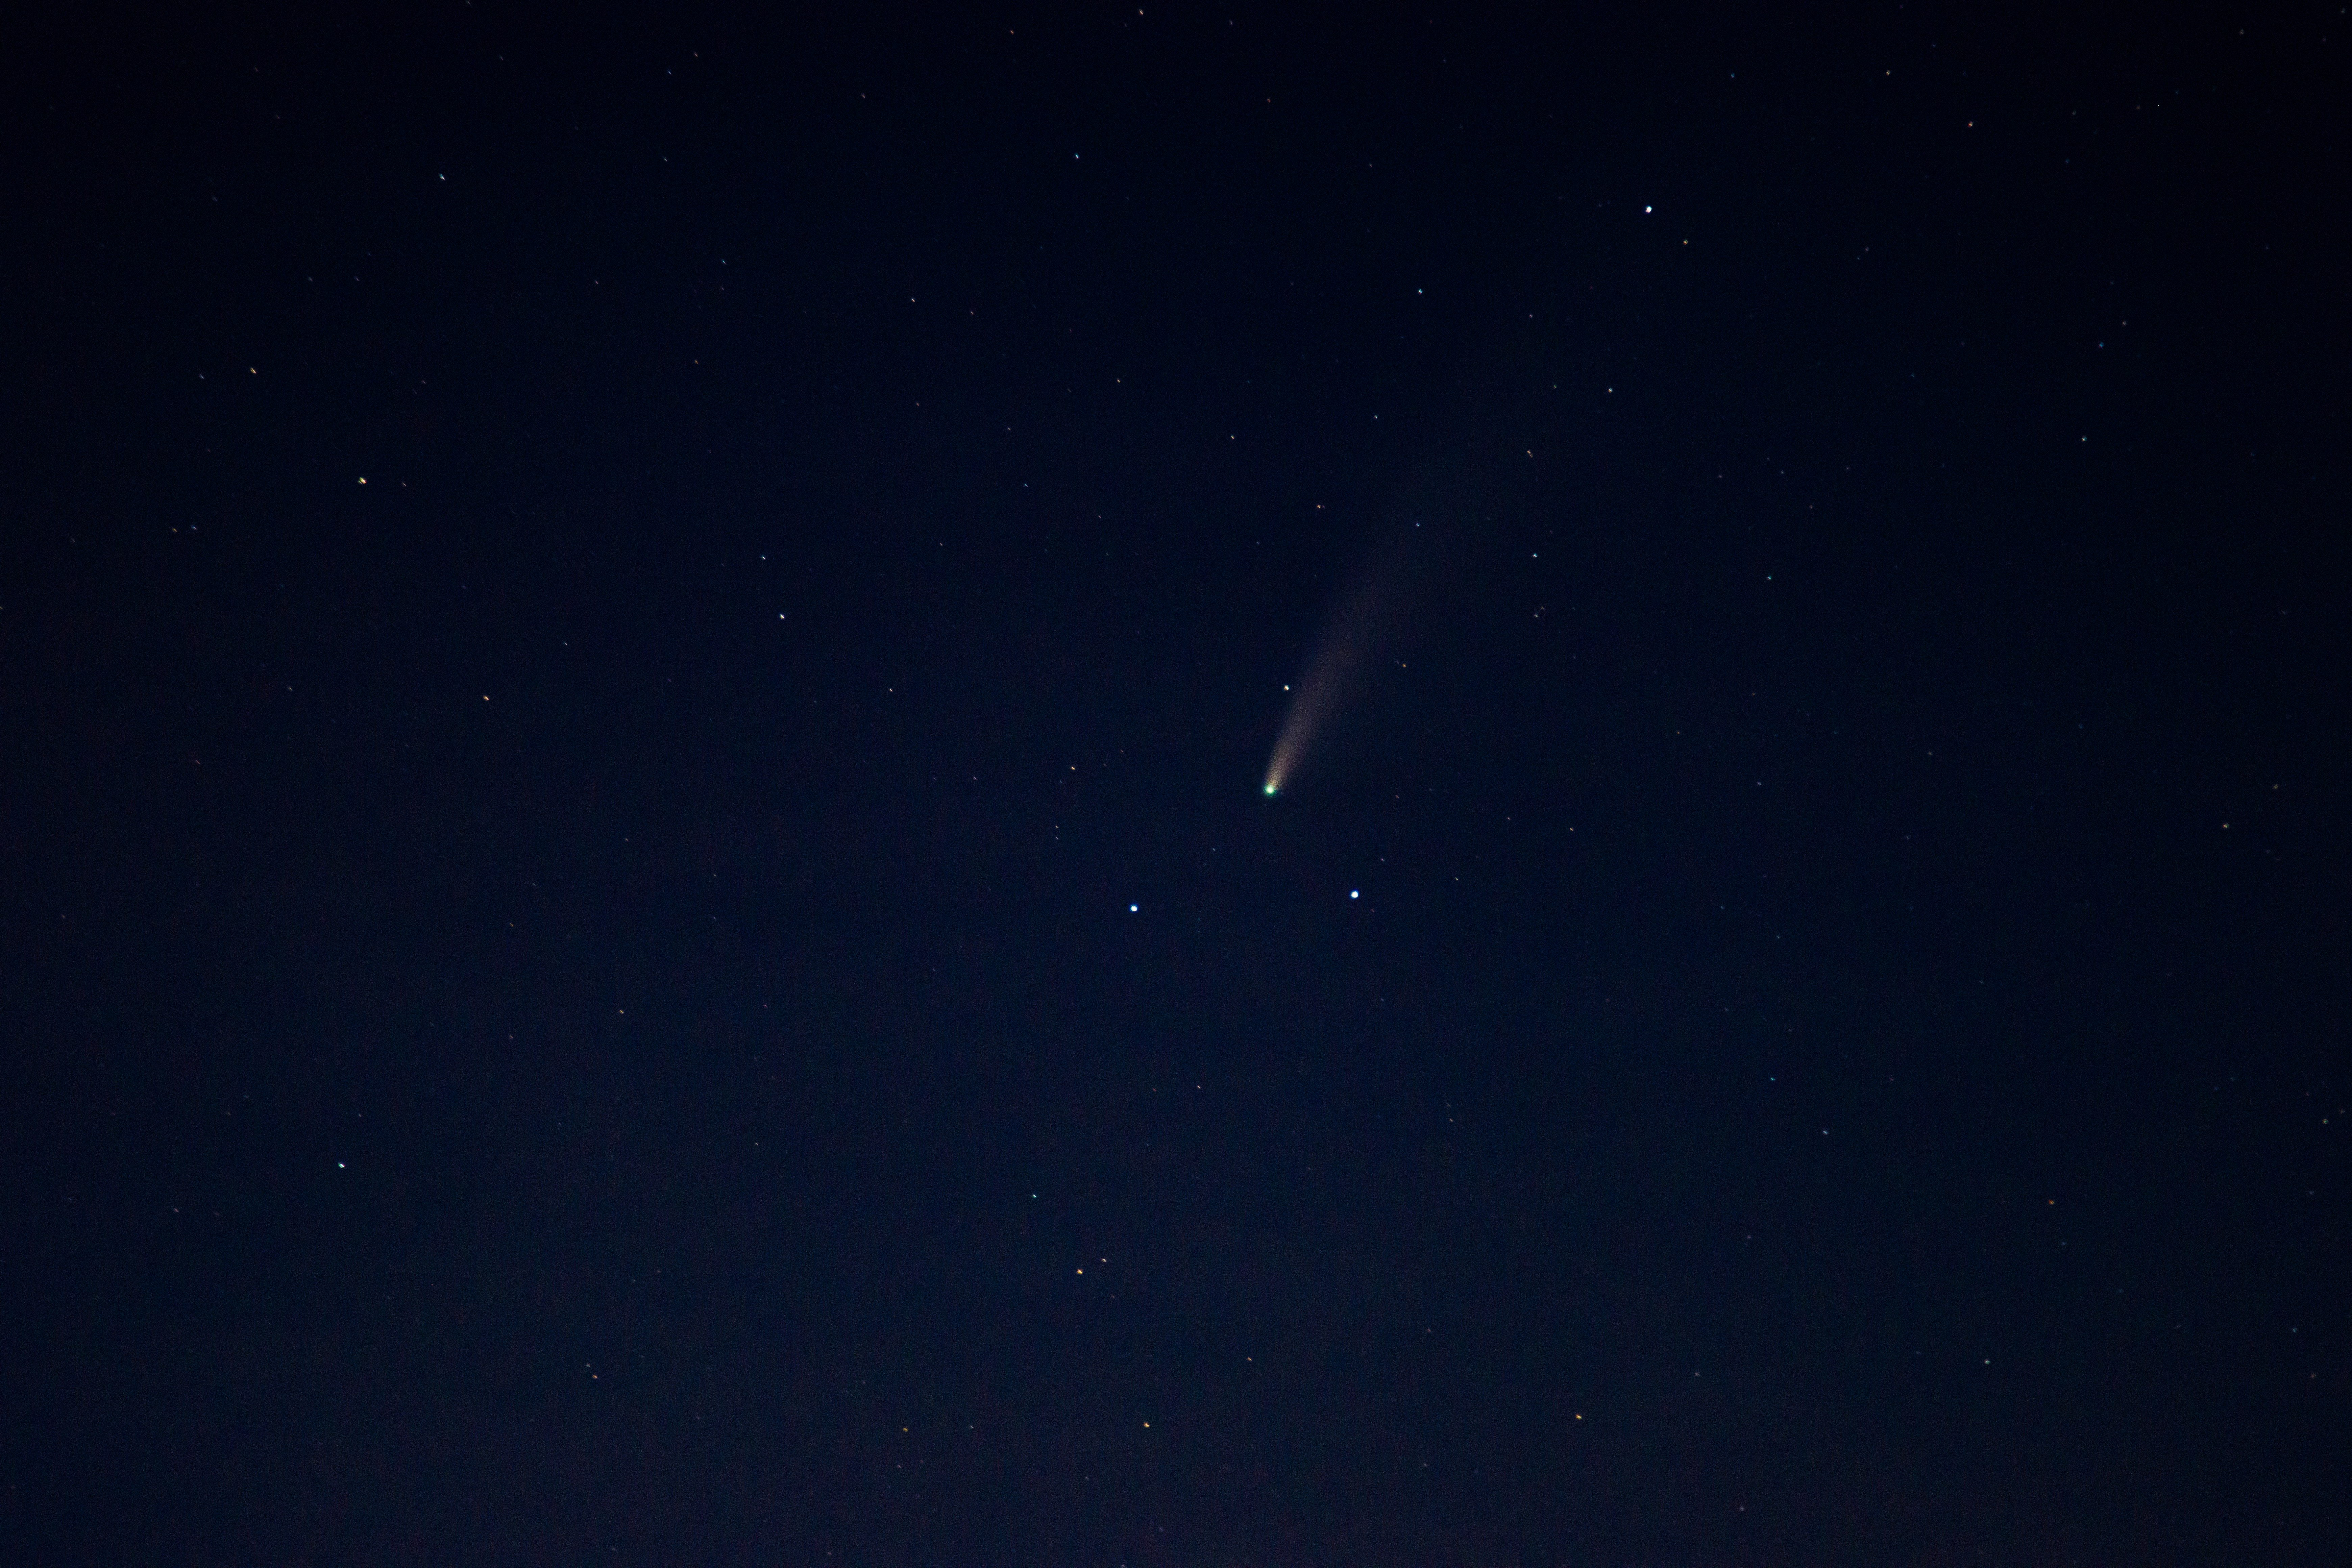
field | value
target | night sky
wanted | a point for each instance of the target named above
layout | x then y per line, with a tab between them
640	917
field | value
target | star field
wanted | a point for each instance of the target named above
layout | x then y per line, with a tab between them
1190	786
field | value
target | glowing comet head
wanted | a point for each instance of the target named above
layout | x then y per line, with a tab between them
1272	788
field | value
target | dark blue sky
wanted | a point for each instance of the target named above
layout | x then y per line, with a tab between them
697	971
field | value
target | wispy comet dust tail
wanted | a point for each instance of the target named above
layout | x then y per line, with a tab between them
1308	707
1347	643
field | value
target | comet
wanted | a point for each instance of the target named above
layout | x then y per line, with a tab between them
1441	524
1310	706
1354	635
